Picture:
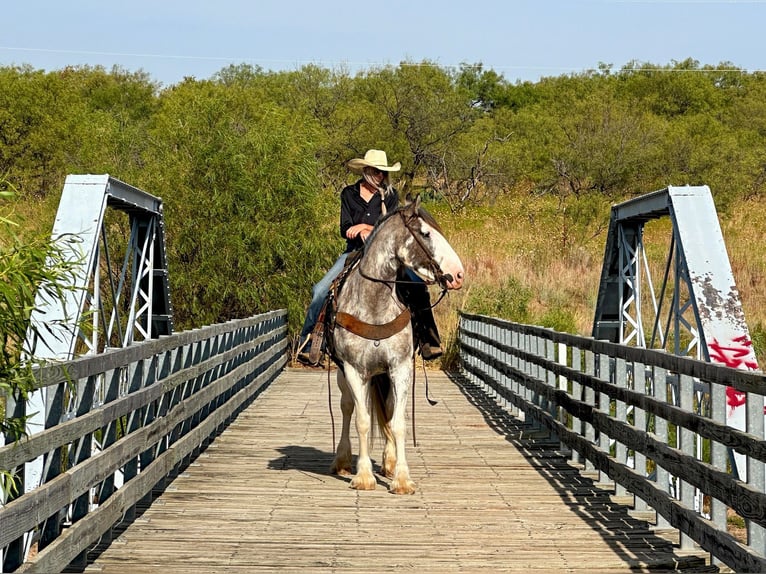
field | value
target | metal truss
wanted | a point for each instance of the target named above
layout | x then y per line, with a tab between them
642	308
696	309
703	305
120	290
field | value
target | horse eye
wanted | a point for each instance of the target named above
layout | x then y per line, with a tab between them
426	234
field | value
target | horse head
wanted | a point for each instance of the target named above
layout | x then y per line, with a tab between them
426	251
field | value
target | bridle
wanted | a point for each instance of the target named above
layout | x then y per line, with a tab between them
440	277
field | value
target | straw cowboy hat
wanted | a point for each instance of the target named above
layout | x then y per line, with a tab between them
373	158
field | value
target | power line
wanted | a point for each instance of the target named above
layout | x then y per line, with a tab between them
635	65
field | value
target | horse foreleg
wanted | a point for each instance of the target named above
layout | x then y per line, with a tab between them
342	463
401	483
364	479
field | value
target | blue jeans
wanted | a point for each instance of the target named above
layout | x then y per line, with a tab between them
319	294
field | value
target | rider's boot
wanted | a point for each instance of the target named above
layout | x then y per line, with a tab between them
426	333
428	337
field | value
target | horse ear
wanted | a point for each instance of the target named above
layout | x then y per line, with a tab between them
412	203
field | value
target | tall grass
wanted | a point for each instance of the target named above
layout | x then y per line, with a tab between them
531	260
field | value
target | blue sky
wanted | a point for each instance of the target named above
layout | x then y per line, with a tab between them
520	39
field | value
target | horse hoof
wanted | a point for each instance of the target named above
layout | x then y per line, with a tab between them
402	487
363	482
341	469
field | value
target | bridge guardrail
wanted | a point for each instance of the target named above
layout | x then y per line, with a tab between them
652	423
119	424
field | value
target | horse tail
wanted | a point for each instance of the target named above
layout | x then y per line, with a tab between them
380	387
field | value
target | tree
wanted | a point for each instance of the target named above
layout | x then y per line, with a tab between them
247	220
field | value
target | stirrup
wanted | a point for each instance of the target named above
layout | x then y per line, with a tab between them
317	342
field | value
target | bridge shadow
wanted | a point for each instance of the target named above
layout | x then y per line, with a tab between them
631	538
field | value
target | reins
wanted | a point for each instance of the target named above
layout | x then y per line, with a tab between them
428	398
329	404
440	278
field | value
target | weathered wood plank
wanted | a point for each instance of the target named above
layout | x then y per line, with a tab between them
259	498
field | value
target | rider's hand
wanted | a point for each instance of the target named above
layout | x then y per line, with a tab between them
361	230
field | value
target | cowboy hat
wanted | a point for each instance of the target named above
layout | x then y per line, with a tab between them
373	158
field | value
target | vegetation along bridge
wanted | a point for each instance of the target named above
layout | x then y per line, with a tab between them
202	451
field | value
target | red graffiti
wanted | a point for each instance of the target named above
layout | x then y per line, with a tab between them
738	354
734	398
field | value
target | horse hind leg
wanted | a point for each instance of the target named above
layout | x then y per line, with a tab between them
389	453
342	463
384	421
401	483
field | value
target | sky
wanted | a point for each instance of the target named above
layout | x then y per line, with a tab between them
519	39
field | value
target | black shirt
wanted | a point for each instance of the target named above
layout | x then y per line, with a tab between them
355	210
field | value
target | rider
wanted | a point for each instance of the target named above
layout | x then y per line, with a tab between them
361	204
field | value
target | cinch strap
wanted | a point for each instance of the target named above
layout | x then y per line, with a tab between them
369	331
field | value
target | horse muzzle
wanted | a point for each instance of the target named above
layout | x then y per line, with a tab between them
452	281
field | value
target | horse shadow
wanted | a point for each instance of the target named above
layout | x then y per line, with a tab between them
312	461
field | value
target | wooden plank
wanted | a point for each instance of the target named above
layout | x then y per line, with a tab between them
25	513
723	544
259	498
743	498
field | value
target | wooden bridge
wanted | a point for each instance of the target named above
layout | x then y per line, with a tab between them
201	452
490	497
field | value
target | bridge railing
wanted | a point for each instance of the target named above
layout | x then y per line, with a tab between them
651	423
119	424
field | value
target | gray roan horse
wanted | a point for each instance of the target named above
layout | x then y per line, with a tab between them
375	371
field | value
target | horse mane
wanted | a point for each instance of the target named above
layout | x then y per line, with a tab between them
428	218
421	213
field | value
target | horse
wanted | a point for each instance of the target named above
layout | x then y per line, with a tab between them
372	341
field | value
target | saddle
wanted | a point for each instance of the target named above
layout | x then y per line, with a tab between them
322	336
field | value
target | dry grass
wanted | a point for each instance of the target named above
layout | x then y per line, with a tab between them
529	240
743	232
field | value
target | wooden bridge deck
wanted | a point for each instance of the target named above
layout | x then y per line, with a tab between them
489	498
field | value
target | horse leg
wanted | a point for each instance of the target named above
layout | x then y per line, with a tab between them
389	451
364	479
342	463
400	383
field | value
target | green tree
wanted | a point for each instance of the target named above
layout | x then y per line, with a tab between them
118	106
247	220
424	111
38	130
